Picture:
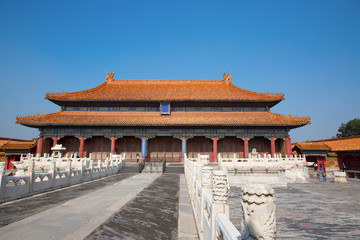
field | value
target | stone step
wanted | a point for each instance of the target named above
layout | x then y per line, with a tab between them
153	167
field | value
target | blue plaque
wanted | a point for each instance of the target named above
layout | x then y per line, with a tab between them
165	108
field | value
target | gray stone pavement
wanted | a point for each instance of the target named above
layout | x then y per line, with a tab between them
315	210
152	214
77	218
124	206
186	223
19	209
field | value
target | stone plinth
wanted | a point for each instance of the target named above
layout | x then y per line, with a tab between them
340	177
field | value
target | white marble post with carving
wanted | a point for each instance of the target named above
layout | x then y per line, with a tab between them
31	172
220	192
259	219
205	190
2	180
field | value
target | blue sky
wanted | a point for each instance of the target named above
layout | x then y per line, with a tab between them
308	50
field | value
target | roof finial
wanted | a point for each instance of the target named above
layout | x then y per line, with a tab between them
109	77
227	78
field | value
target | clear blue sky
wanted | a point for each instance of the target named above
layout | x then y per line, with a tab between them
309	50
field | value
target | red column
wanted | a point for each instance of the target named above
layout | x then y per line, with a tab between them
39	145
215	152
340	161
246	147
272	146
287	146
356	163
112	144
81	148
55	141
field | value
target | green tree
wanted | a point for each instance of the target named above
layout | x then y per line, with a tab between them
351	128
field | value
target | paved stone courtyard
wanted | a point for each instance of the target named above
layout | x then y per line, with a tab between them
313	211
127	205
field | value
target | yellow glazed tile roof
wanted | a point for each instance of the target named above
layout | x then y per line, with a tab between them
335	144
312	146
155	119
344	144
18	145
166	90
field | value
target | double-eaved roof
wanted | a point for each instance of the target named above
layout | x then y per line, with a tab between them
164	91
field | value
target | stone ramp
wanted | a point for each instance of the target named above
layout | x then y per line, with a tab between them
152	214
19	209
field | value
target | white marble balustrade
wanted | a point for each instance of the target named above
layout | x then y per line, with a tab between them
208	190
27	181
277	170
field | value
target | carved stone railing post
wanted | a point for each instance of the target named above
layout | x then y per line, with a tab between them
91	168
193	181
106	167
53	173
206	174
219	198
68	169
2	180
259	219
99	166
82	168
198	187
31	172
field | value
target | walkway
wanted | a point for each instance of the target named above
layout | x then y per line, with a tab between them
127	205
17	210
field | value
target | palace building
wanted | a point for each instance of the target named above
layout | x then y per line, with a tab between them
332	153
164	119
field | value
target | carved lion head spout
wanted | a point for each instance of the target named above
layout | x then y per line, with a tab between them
109	76
259	220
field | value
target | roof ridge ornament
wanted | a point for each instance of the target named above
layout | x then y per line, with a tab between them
109	77
226	78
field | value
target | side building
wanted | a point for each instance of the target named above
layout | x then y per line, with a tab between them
332	153
164	119
12	148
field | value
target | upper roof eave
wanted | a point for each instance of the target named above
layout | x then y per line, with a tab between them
54	100
166	90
